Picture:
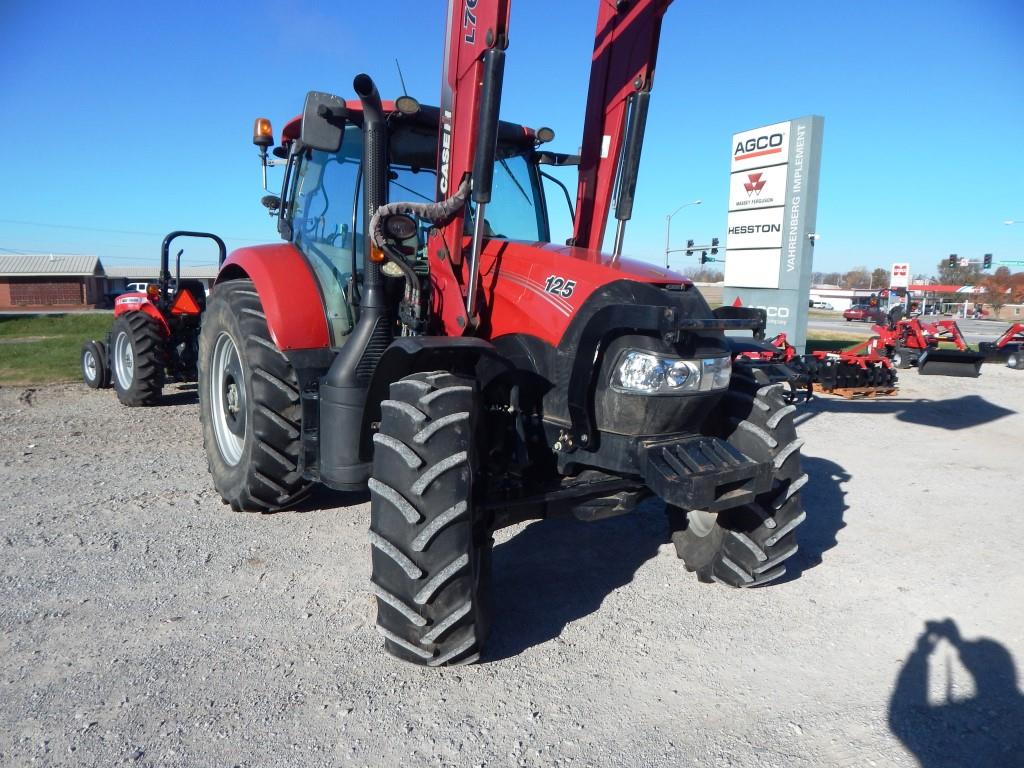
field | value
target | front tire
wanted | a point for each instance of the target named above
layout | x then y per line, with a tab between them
249	404
138	359
94	365
430	555
901	359
1015	360
748	545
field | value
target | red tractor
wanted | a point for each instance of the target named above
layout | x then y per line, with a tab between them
418	334
910	342
155	336
1009	347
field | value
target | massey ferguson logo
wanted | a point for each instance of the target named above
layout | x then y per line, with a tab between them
754	184
759	145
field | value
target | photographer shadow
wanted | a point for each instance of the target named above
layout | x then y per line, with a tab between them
985	730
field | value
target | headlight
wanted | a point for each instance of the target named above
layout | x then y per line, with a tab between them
643	373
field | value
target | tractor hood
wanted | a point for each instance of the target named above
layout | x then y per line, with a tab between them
537	288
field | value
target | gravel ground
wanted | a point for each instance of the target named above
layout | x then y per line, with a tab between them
145	623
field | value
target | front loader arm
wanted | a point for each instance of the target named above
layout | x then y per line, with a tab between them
625	51
474	28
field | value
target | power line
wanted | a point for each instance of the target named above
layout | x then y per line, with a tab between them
22	251
19	251
112	231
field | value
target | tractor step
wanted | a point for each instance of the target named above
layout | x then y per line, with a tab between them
703	473
856	393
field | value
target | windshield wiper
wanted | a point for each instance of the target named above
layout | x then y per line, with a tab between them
516	182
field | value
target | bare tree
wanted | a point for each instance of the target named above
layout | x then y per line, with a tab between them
858	277
704	274
962	274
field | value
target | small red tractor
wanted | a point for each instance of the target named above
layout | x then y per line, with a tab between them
1009	347
910	342
444	354
155	336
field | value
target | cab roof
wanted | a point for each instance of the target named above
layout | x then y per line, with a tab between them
428	116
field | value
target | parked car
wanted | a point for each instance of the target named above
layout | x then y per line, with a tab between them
865	313
821	305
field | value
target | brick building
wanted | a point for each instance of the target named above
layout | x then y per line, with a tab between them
41	281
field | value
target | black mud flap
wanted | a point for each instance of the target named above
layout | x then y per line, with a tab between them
703	473
950	362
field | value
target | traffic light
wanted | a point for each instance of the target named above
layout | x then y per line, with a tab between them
987	263
714	246
689	247
952	261
704	259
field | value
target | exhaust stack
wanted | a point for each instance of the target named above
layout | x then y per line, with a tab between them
343	389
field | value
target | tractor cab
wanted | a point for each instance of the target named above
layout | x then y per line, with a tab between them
321	210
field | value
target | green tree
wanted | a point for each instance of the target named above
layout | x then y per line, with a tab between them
880	277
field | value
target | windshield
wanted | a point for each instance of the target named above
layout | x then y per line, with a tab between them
326	206
514	212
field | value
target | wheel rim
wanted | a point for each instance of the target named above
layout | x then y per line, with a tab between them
700	523
227	395
89	366
124	360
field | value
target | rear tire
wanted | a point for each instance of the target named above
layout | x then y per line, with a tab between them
431	558
94	365
139	359
746	546
249	404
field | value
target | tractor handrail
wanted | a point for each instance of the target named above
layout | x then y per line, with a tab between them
165	255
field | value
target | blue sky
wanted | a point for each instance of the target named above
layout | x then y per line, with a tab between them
136	117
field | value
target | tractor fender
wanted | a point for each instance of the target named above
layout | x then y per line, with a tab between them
411	354
288	291
139	302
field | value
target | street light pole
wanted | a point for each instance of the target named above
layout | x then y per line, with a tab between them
1013	221
668	225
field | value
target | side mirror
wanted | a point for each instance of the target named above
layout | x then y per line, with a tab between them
323	120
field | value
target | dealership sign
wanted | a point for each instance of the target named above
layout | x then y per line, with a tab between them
899	276
773	201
